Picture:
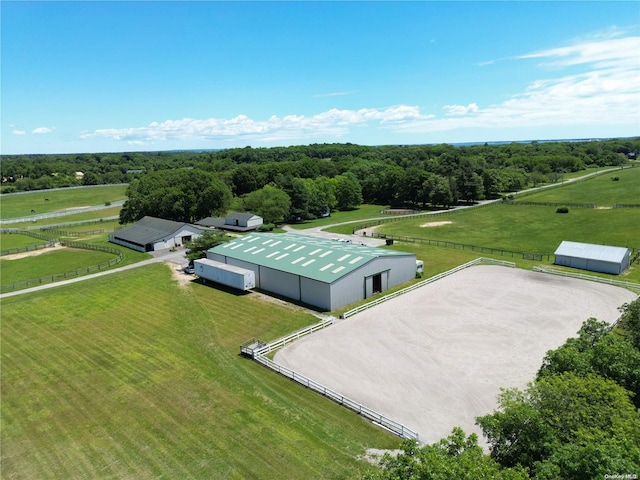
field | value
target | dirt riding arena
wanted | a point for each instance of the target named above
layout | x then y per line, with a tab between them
437	357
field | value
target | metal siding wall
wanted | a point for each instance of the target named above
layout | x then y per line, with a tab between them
603	267
350	289
316	293
217	257
281	283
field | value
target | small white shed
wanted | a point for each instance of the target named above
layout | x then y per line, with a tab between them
596	258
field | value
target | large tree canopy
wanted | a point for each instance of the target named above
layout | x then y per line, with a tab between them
271	203
566	426
456	456
182	195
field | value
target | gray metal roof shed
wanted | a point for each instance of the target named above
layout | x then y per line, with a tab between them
596	258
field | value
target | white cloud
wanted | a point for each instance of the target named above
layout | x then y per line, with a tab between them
41	130
595	83
461	109
335	94
19	132
333	122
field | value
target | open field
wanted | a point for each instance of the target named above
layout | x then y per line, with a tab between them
46	262
437	357
13	240
132	376
524	228
601	190
20	205
520	228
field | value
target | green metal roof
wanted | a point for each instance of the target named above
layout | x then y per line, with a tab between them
317	258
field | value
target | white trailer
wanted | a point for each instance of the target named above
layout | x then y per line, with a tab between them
228	275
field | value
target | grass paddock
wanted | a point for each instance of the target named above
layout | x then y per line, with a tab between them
132	376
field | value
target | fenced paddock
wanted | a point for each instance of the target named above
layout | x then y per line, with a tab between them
437	356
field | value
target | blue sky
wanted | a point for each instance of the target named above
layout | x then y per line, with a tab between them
126	76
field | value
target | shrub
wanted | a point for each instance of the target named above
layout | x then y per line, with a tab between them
266	227
562	210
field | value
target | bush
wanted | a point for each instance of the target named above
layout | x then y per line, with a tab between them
562	210
266	227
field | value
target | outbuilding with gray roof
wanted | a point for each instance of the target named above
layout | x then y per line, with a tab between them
324	273
596	258
150	233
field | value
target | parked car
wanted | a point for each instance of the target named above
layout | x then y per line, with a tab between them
189	268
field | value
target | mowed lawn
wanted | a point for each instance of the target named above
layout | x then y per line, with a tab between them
523	228
10	241
132	376
43	263
14	206
601	190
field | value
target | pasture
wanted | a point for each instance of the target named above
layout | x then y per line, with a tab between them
10	241
47	262
601	190
132	376
47	201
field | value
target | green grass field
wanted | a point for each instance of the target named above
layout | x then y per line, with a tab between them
601	190
9	241
132	376
46	263
14	206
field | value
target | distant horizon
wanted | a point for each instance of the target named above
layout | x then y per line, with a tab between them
163	76
453	144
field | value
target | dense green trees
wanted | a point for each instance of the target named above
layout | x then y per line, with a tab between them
181	195
456	456
271	203
414	176
559	424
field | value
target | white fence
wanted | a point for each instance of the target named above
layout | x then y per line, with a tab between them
582	276
264	349
379	419
380	300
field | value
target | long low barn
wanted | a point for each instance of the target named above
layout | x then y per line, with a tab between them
326	274
150	233
596	258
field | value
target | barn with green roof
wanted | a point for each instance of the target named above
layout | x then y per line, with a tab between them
324	273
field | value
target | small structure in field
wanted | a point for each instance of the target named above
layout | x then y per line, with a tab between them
596	258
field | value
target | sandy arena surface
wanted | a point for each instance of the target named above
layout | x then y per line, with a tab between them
437	357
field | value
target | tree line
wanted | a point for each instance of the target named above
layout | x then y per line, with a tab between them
578	419
318	178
